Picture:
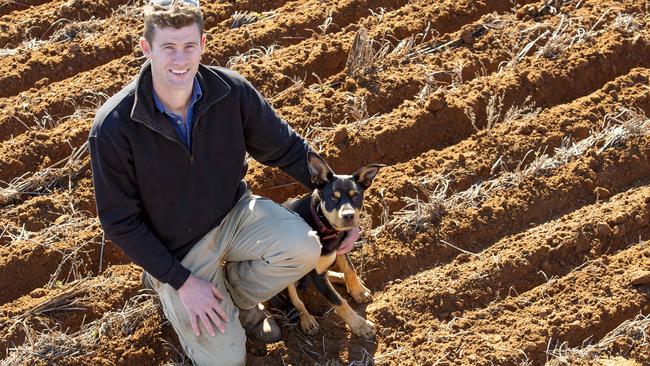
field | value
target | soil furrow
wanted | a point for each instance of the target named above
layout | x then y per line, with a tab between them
443	121
425	129
37	212
535	200
39	22
6	7
317	59
294	23
480	48
519	263
58	61
473	159
342	99
77	252
44	108
93	297
624	345
588	302
33	215
44	148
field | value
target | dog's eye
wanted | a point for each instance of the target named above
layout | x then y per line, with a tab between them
356	197
333	198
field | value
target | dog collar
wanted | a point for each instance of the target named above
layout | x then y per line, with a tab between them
326	232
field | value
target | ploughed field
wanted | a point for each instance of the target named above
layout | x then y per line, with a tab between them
509	227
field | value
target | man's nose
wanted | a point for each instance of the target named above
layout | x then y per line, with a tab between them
179	57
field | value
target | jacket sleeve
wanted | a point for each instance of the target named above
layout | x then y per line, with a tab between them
119	207
269	139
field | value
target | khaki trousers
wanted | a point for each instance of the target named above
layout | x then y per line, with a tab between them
256	251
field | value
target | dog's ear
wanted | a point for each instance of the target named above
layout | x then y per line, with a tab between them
365	175
320	172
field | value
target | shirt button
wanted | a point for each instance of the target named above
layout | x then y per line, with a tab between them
179	122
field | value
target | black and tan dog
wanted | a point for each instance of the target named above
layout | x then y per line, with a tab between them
332	209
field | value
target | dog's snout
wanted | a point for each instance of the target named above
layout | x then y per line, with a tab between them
348	216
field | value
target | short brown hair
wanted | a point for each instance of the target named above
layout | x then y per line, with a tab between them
177	15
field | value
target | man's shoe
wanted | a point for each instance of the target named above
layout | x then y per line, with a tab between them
259	327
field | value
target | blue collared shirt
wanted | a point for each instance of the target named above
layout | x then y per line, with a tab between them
184	128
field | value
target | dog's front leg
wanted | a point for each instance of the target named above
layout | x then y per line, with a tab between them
308	323
359	292
359	326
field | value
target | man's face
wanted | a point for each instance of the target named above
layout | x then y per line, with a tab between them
175	55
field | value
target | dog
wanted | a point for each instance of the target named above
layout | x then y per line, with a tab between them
332	209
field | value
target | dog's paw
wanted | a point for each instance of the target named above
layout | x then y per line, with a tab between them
308	324
364	329
361	295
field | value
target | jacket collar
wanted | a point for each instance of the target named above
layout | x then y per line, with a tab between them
213	87
194	97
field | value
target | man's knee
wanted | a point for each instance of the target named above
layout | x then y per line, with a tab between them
303	248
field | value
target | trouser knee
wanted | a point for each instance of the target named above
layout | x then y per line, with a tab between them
304	249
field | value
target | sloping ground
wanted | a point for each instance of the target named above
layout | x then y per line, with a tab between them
510	226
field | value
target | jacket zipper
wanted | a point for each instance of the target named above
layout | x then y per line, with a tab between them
171	139
191	149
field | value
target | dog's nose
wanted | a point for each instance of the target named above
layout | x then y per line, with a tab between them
348	216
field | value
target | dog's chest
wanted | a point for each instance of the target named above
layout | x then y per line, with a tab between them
325	262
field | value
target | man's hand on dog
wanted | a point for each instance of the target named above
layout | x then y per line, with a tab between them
202	299
348	242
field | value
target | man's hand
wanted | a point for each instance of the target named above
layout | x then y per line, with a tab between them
348	242
202	299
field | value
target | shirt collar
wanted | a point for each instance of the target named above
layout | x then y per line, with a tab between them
196	94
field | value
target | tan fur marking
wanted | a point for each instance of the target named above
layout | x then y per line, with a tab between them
359	326
351	278
308	323
356	288
295	300
337	194
346	312
325	262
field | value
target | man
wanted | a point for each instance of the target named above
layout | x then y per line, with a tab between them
168	158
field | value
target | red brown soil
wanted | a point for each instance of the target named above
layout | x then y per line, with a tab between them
553	261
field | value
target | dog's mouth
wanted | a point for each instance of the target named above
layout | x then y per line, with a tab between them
342	228
343	224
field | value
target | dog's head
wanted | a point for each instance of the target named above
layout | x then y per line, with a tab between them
341	196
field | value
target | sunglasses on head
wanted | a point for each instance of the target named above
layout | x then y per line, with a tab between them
170	2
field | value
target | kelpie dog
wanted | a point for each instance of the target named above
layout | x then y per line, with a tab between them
332	209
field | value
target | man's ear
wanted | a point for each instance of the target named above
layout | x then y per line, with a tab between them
146	48
203	41
366	174
320	172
